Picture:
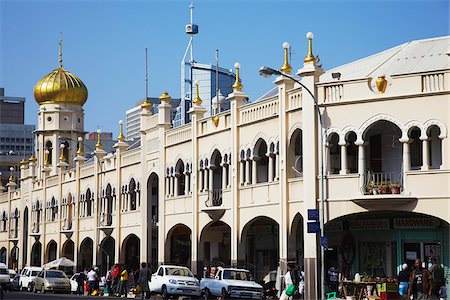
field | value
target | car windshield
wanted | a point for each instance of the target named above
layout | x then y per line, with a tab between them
55	274
178	272
4	271
236	275
34	273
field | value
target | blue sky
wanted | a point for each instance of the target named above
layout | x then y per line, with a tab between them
104	42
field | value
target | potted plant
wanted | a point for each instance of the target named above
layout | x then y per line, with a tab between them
395	188
383	188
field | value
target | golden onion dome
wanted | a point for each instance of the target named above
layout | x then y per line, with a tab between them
60	87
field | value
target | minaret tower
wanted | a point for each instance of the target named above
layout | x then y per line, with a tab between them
61	96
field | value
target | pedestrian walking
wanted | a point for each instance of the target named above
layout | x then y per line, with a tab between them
80	281
420	282
123	290
92	278
109	278
143	278
116	279
403	279
437	273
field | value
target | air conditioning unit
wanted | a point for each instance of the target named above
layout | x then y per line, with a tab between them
191	29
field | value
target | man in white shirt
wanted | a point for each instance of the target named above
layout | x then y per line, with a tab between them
92	278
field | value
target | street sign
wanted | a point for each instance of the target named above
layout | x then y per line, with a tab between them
313	227
313	215
324	242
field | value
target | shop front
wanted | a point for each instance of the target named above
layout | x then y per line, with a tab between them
376	244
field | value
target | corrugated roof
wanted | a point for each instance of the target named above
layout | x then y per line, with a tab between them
271	93
411	57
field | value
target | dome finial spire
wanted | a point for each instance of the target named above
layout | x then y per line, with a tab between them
60	50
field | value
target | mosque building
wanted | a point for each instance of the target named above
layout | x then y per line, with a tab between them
235	187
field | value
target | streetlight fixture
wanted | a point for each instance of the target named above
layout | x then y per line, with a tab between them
266	72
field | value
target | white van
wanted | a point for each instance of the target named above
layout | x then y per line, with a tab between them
27	276
4	275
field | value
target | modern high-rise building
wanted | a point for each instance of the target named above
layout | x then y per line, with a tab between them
205	75
16	138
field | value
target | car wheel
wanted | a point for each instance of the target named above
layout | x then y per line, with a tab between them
42	289
206	294
30	287
224	294
164	293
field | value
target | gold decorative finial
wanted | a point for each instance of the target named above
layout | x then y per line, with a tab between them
11	176
46	162
80	151
121	137
60	50
32	159
165	97
197	100
286	67
62	158
215	120
99	144
237	86
146	105
310	57
381	84
23	162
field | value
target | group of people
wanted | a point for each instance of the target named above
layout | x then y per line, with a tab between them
117	281
422	283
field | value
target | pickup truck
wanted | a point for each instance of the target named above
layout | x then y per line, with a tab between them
231	283
27	276
174	281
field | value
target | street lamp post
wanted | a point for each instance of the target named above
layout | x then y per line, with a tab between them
267	72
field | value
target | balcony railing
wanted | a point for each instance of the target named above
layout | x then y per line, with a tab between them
377	183
67	224
214	198
105	219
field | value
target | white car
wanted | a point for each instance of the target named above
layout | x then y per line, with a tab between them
174	281
4	276
231	283
27	277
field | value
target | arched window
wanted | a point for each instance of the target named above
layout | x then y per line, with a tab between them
216	169
4	221
415	148
259	155
66	150
295	154
49	147
435	147
334	151
352	153
88	200
53	209
132	193
179	176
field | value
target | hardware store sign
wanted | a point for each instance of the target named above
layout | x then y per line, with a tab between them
415	223
369	224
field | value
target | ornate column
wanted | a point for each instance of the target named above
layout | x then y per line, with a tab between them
425	154
201	183
242	173
344	169
271	177
167	186
176	181
211	178
254	170
186	183
277	166
361	162
406	154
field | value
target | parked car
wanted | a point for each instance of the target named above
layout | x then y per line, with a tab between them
27	277
12	274
4	276
14	285
174	281
231	283
51	280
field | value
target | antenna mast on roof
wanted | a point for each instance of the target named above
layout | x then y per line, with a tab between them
146	73
217	82
186	66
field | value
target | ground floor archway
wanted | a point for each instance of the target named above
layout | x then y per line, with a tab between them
50	253
3	255
179	240
215	245
36	254
260	243
296	241
14	258
86	254
106	254
131	247
379	242
68	249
